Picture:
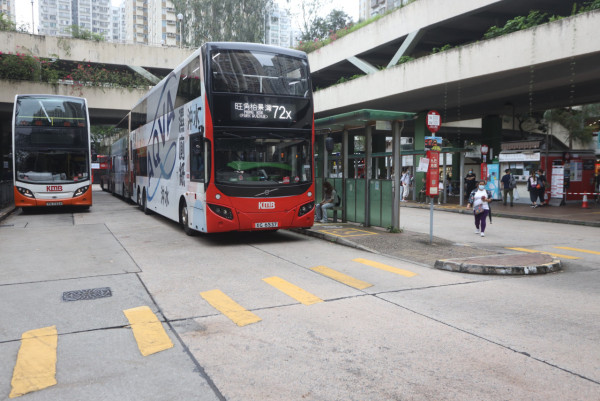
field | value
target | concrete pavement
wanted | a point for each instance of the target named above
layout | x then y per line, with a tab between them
448	255
445	254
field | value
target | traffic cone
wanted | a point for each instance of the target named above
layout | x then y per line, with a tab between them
584	205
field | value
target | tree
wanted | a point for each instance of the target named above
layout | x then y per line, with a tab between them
576	121
6	24
222	20
322	28
79	33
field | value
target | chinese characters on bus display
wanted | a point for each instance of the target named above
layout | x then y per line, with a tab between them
262	111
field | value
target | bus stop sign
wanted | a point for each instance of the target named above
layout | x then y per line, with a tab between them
434	121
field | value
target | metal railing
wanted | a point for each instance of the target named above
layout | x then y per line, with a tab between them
6	194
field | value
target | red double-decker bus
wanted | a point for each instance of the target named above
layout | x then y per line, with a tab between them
225	142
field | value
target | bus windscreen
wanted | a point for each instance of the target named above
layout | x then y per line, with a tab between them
256	72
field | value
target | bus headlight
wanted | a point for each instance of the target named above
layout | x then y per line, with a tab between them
25	192
306	208
221	211
81	191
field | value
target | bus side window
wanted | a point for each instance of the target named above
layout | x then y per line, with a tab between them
196	158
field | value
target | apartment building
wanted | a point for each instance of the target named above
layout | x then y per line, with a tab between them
7	7
57	16
371	8
151	22
278	28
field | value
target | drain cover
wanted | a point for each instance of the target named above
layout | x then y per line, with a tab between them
92	293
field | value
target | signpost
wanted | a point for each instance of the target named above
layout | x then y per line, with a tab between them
434	122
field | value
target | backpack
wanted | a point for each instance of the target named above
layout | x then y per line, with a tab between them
338	199
513	182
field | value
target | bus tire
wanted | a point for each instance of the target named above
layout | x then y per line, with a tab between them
145	204
139	202
183	219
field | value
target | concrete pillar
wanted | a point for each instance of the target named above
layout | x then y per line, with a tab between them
491	127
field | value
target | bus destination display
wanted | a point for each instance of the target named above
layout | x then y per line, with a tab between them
262	111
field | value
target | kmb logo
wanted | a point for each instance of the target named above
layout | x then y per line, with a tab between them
53	188
266	205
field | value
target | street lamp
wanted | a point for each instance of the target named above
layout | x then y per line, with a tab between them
32	20
180	18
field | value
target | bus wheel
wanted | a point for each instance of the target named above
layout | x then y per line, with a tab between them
183	219
138	199
145	204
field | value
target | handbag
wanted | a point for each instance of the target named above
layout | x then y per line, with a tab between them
478	209
516	194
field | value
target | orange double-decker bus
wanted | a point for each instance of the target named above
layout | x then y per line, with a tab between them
51	151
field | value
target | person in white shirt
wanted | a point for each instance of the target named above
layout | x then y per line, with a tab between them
479	199
405	181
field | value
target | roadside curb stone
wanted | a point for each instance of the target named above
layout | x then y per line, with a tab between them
512	264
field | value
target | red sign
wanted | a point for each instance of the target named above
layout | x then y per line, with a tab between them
53	188
433	173
434	121
484	149
484	171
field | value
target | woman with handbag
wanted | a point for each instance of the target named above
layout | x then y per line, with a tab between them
479	200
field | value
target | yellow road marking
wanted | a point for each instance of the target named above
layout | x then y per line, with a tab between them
293	291
547	253
227	306
577	250
342	278
402	272
353	232
147	330
35	368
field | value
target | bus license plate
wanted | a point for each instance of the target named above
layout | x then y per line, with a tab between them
53	203
266	225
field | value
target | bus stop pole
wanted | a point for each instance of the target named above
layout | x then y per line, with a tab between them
396	150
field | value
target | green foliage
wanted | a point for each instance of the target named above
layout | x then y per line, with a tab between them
534	18
6	24
79	33
404	59
25	67
222	20
327	27
441	49
576	121
344	79
393	230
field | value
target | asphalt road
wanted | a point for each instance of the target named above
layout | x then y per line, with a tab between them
414	334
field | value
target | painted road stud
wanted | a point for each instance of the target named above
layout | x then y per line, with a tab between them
148	331
35	368
381	266
342	278
227	306
299	294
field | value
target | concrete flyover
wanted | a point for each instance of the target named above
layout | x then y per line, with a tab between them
107	105
551	65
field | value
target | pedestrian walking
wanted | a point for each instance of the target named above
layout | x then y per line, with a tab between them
480	199
534	186
508	185
470	182
405	181
543	185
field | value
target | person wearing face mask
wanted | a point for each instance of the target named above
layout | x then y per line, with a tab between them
480	199
470	182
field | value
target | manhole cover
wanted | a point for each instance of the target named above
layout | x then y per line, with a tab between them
92	293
